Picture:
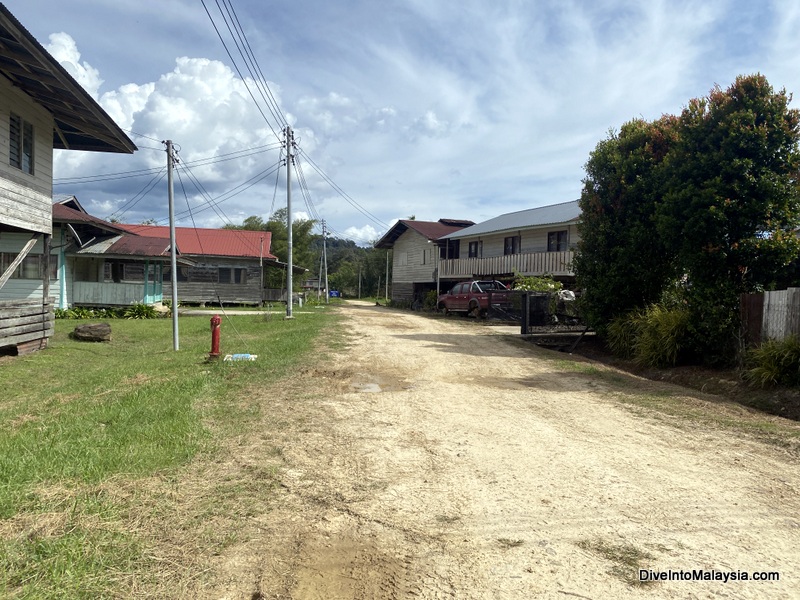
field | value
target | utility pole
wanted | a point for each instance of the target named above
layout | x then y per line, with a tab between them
386	294
319	278
261	271
173	255
325	258
289	281
359	281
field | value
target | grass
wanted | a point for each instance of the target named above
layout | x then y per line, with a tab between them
95	437
626	559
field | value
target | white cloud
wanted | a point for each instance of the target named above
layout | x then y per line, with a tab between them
411	108
362	235
64	49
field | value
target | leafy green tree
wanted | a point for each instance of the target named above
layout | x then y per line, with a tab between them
732	203
621	262
303	253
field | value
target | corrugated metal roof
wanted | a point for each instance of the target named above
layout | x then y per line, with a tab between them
65	214
129	245
212	242
431	230
524	219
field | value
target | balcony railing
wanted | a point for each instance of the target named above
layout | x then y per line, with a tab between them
116	294
534	263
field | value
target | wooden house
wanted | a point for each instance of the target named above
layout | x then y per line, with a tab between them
416	256
41	108
227	264
101	264
532	242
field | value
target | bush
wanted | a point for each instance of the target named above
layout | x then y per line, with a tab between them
622	333
662	335
140	311
536	284
775	363
653	337
430	300
80	312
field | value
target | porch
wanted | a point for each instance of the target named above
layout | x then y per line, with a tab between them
557	264
89	293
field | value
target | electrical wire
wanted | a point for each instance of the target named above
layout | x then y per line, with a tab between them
342	193
141	194
236	66
209	160
236	31
261	80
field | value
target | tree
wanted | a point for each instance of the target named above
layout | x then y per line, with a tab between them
732	204
302	237
621	263
709	200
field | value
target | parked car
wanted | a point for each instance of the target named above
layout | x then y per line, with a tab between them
474	297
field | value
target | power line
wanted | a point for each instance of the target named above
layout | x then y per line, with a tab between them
261	81
239	38
210	160
236	66
342	193
141	194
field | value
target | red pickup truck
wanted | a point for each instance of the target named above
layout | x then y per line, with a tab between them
473	297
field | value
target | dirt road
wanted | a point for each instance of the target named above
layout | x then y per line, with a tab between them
433	458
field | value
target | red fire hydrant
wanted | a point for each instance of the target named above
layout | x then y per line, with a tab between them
215	323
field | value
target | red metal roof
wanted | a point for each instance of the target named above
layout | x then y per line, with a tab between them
212	242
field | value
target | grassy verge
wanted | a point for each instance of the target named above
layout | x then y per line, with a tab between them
94	439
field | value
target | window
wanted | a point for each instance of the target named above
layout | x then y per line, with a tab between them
182	274
475	249
511	245
133	272
403	259
230	275
20	150
450	249
557	241
31	267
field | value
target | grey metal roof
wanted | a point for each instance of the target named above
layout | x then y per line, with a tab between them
566	212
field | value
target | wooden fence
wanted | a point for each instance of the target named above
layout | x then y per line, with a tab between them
25	325
770	315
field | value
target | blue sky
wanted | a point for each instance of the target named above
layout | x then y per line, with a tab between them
436	109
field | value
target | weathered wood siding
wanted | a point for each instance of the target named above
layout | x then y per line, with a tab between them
402	292
88	293
25	325
770	315
21	289
25	200
204	287
413	261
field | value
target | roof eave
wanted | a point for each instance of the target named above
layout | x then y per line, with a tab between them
80	122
